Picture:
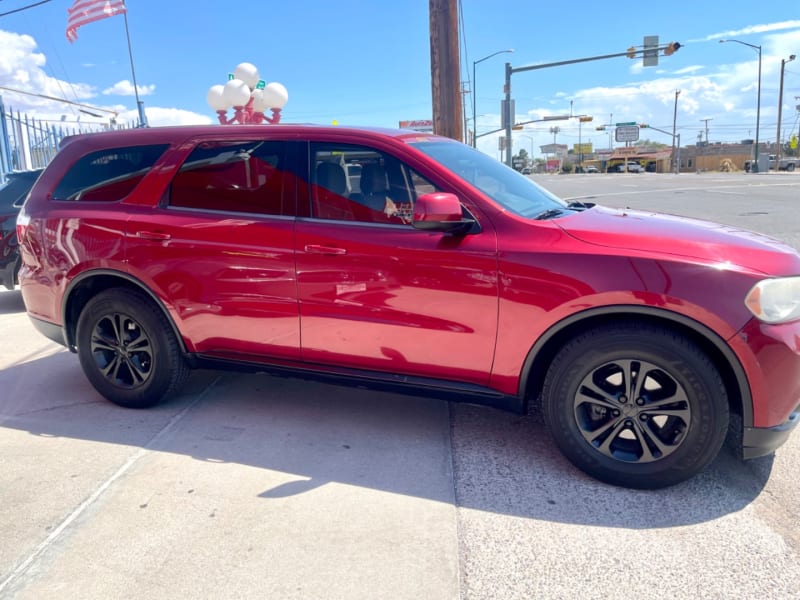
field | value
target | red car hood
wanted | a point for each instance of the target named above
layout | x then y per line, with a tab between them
682	236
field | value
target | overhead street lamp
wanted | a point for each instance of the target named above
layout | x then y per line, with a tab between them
780	107
475	94
758	106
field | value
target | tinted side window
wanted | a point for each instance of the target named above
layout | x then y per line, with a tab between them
245	177
356	183
108	175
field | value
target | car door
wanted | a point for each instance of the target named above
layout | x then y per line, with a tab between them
376	293
220	249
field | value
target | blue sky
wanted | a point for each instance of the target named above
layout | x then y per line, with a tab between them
367	62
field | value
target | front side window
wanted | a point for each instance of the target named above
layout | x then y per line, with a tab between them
108	175
242	177
507	187
356	183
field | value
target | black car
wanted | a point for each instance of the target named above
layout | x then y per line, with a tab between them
12	195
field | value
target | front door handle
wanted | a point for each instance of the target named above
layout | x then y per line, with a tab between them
155	236
329	250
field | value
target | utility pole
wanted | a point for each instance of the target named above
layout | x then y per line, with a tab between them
706	122
445	78
779	146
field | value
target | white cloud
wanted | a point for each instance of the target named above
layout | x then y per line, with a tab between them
780	26
125	88
157	116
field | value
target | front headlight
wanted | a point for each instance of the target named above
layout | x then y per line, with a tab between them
775	300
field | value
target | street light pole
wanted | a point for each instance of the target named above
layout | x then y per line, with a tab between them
674	119
531	140
780	107
758	105
475	94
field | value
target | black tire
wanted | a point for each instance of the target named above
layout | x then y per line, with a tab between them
635	405
127	349
790	167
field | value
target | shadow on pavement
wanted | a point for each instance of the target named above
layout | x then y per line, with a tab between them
11	302
318	433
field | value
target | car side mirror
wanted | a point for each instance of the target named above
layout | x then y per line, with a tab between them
440	211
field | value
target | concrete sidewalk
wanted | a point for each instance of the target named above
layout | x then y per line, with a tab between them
246	486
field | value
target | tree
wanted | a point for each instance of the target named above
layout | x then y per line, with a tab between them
658	145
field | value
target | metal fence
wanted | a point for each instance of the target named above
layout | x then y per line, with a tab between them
30	143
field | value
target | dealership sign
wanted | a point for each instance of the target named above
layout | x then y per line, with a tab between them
423	125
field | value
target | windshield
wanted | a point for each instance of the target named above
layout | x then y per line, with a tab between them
503	184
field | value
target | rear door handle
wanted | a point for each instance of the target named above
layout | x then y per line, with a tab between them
329	250
156	236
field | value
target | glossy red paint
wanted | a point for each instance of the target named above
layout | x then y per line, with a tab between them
485	308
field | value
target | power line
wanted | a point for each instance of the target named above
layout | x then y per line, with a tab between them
16	10
88	106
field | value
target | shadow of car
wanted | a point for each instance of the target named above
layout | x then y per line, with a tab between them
12	195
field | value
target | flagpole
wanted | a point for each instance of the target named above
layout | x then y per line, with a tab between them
139	105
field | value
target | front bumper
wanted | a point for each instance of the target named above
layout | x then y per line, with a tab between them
760	441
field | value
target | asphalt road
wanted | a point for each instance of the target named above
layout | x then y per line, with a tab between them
249	486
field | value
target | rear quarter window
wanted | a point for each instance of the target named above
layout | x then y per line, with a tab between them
108	175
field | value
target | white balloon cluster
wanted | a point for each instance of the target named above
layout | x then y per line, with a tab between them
249	97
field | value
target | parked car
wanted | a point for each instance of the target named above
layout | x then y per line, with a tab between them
591	169
643	338
526	170
12	193
632	167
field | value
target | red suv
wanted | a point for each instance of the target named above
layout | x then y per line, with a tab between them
409	261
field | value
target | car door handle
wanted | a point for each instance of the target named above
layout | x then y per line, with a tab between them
156	236
330	250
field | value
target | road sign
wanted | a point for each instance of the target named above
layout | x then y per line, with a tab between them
650	56
627	133
623	124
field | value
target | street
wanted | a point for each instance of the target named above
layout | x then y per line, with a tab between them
252	486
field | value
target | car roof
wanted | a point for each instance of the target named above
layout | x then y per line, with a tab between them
179	133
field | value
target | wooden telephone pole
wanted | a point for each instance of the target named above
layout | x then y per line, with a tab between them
445	75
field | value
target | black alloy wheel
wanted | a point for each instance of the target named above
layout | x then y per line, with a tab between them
636	405
127	349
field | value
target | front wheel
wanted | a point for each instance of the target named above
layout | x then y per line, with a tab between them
127	349
635	405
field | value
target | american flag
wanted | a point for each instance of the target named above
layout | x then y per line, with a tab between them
84	12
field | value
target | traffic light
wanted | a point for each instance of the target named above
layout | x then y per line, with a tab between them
602	128
672	48
643	126
632	52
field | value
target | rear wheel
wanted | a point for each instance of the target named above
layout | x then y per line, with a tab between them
636	405
127	349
